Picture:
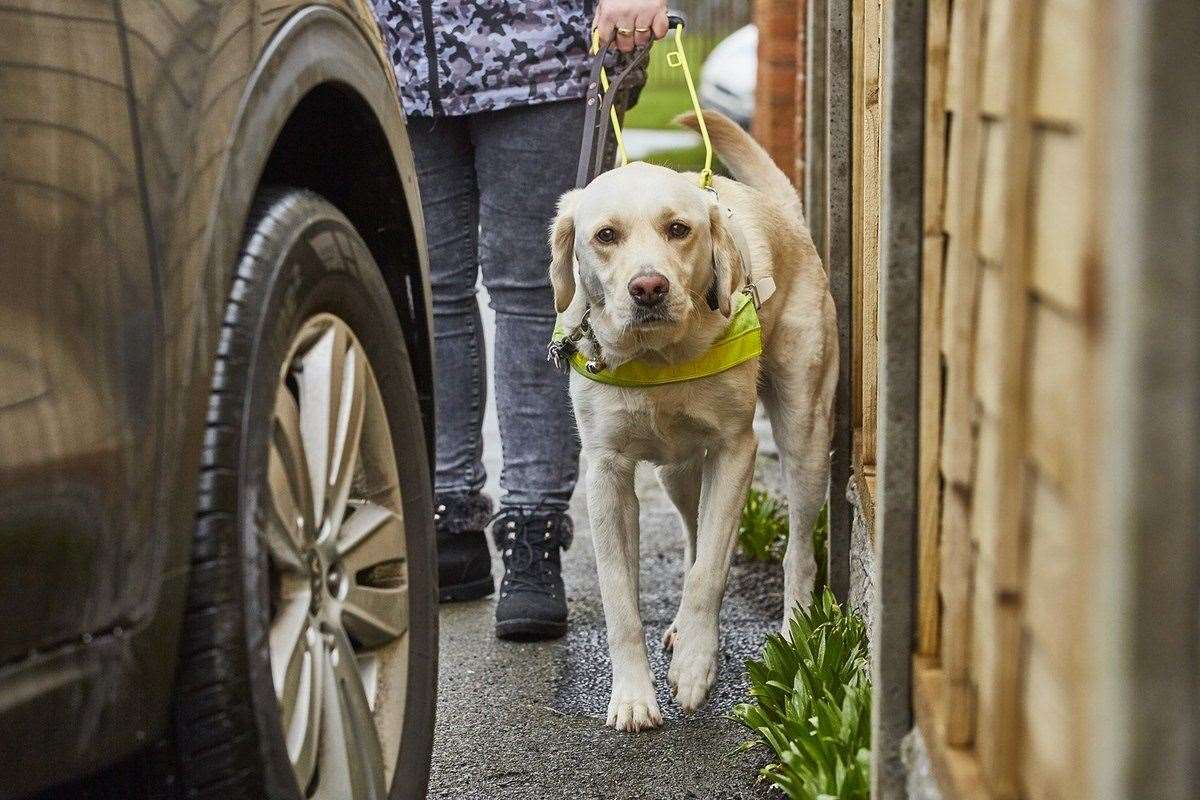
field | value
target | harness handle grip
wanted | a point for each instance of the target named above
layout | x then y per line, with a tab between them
601	95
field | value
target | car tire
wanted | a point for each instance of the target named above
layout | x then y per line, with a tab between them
307	286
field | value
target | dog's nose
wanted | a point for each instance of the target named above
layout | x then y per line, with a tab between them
649	288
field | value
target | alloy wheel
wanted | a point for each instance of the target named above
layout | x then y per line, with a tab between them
335	536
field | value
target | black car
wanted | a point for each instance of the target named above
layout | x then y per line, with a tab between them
216	534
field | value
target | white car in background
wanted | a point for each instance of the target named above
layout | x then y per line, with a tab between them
729	74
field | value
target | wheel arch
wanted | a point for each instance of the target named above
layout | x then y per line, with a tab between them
334	144
320	112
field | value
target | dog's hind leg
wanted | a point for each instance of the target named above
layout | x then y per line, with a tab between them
802	433
681	481
726	477
612	508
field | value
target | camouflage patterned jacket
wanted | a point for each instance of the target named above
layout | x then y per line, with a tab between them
456	57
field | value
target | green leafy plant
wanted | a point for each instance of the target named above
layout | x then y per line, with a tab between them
810	702
820	536
763	530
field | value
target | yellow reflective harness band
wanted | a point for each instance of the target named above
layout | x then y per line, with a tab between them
741	342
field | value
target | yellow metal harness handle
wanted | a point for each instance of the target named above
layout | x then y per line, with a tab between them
676	58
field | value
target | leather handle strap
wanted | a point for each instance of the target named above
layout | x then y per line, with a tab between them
600	104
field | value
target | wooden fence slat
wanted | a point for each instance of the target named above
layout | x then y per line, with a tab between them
990	245
991	348
933	259
871	131
857	188
1046	773
1059	231
1055	580
957	564
1056	352
985	498
1000	730
957	454
994	87
1062	76
954	768
962	262
937	53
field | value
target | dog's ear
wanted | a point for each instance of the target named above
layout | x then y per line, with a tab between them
562	251
728	269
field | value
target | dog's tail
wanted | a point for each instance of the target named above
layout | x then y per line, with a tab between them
745	158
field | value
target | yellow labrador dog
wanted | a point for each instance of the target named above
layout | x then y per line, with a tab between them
642	251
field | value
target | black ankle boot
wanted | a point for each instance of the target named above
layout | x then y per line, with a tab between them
464	563
532	604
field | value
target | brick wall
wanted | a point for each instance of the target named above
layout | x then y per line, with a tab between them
779	97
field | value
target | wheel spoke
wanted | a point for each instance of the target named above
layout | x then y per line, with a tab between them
368	672
288	646
371	535
351	756
375	615
347	431
297	671
304	732
287	484
320	381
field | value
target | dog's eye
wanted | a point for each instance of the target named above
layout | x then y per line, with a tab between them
677	230
606	236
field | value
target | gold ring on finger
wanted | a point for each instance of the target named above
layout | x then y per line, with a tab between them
624	32
642	30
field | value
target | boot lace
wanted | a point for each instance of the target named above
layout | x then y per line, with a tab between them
529	542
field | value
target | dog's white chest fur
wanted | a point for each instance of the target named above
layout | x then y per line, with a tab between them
665	424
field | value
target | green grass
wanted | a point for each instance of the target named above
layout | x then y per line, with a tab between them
763	532
657	106
810	702
688	159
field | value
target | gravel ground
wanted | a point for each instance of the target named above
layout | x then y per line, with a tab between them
527	720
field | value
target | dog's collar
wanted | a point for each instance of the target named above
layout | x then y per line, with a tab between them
741	341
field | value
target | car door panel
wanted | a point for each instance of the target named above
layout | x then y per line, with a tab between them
78	327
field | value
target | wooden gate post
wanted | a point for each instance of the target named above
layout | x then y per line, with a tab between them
1151	490
837	262
814	122
900	229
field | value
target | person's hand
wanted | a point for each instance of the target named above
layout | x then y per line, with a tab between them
631	23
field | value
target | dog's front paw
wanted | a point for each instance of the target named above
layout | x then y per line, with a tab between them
633	709
693	670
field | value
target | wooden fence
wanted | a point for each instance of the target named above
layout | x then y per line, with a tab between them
1011	446
1004	524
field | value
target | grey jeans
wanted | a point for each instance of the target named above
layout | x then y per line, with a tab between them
489	184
